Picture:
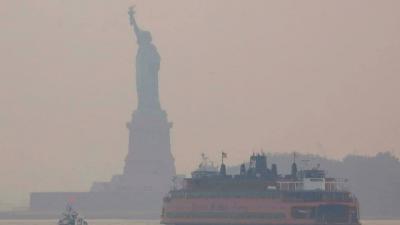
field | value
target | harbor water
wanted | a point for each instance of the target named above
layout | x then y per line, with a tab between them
148	222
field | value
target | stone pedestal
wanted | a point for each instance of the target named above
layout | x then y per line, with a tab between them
149	164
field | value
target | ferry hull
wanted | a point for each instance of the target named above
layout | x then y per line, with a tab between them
269	224
257	211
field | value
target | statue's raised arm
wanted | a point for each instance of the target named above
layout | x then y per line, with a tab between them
132	20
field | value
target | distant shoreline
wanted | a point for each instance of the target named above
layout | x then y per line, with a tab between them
106	215
29	215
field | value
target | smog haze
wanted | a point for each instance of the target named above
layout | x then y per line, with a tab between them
317	77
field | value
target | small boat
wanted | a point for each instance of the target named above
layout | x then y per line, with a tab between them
71	217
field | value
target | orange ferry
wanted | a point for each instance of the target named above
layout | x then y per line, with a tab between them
258	195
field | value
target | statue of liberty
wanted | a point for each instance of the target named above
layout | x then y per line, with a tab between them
147	67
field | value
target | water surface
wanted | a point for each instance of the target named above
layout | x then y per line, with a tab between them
148	222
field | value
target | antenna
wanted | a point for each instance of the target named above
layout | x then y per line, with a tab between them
294	157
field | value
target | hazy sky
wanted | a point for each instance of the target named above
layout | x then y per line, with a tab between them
312	76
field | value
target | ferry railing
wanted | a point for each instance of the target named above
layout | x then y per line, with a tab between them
339	184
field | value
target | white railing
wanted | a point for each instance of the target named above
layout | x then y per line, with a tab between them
329	186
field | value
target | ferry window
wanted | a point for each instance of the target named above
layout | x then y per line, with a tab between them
303	212
333	213
313	173
316	179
